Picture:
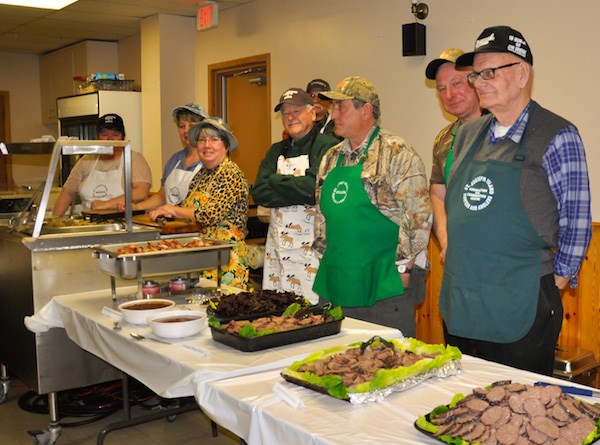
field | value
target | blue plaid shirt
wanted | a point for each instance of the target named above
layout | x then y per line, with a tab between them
565	164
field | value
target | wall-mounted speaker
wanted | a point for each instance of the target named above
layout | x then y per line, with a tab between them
413	39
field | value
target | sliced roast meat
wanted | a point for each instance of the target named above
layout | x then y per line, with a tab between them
496	394
536	436
507	434
534	407
515	402
545	425
475	434
477	405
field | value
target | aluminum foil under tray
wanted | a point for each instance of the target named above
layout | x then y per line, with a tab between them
159	262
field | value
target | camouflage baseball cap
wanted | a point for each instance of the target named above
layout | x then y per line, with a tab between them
353	88
448	55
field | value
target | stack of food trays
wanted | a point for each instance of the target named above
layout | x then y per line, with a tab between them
513	413
370	371
253	321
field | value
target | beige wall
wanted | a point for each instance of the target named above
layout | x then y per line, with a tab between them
20	76
167	52
338	38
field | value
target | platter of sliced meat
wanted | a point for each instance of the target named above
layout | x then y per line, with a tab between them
294	325
507	413
370	371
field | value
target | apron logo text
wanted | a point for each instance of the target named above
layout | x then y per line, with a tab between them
478	193
340	192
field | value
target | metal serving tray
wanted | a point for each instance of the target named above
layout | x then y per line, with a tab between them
130	266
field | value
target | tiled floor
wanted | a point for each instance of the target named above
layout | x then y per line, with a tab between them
187	428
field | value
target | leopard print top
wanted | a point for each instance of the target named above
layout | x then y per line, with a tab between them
219	197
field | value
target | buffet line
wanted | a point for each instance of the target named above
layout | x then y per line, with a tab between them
334	380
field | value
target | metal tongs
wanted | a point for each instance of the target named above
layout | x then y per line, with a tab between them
373	339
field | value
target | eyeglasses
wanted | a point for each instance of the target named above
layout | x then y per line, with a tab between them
212	140
488	73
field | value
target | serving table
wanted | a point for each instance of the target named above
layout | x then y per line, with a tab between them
236	389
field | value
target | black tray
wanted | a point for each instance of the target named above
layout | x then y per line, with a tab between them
251	344
319	389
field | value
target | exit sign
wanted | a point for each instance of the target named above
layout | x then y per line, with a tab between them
208	16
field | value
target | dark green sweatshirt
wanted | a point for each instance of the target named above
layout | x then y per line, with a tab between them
274	190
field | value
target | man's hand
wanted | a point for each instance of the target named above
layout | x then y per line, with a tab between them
561	282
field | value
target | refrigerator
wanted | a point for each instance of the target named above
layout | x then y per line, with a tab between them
77	117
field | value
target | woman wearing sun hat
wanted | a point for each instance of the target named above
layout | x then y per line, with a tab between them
217	198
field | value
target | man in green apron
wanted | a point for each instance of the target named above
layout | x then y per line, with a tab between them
519	219
374	215
459	99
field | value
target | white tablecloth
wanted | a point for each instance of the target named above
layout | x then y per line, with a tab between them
248	407
236	388
168	369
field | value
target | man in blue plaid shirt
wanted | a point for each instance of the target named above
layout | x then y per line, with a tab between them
519	221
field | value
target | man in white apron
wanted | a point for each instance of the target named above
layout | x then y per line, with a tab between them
285	183
98	179
182	166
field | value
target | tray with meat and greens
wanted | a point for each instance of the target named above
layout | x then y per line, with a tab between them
370	371
295	324
513	413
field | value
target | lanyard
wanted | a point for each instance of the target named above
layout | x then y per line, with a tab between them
450	155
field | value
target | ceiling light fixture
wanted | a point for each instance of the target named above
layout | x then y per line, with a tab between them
42	4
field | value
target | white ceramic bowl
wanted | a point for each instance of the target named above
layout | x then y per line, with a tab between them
138	311
177	323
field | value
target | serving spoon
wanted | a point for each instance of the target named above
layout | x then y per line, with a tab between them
141	337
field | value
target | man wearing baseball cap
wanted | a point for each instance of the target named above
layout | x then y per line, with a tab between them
323	120
459	99
518	204
182	165
374	215
285	183
98	179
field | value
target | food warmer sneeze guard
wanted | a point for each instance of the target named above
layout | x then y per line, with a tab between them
75	147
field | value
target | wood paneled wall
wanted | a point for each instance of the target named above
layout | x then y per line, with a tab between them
581	323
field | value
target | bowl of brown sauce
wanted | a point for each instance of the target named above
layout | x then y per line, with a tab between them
138	311
177	323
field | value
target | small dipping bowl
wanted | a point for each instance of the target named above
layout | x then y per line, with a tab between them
138	311
177	323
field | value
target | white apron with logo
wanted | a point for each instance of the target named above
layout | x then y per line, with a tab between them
101	185
178	182
290	264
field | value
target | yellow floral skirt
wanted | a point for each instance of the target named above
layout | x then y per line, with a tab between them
235	273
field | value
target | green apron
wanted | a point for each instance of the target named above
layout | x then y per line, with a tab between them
492	270
359	265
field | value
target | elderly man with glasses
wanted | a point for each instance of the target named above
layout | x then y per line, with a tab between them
518	204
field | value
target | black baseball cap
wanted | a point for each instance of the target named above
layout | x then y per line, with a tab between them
111	121
498	39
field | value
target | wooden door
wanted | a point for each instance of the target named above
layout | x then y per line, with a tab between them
239	92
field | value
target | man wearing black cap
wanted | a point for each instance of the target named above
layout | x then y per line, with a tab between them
459	99
518	206
323	120
98	179
285	183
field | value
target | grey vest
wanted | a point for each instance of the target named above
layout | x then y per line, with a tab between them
536	195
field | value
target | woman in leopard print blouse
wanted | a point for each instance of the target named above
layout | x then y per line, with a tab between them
217	198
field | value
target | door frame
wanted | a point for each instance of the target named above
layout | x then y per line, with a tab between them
6	179
217	74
